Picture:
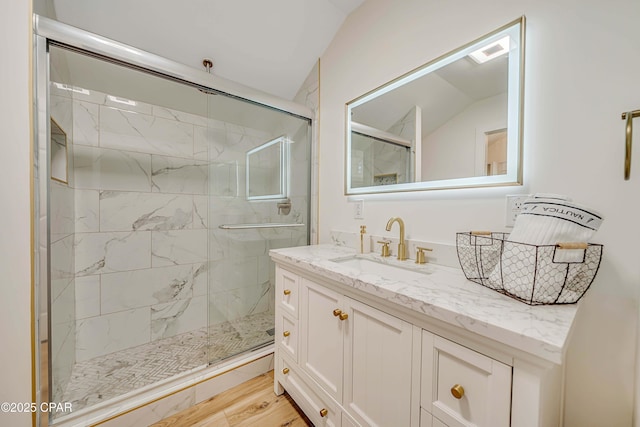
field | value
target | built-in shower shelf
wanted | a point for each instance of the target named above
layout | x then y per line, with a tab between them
265	225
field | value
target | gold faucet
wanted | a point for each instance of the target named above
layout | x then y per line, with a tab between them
402	250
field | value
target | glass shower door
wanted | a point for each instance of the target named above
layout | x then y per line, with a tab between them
127	246
259	181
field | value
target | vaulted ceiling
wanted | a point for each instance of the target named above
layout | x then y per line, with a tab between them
269	45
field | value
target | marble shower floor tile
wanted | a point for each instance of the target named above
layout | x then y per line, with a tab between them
102	378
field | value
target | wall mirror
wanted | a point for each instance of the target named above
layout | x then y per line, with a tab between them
454	122
59	169
268	170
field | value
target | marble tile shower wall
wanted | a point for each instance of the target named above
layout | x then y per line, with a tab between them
140	224
147	243
242	274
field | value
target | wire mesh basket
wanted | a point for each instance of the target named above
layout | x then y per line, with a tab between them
533	274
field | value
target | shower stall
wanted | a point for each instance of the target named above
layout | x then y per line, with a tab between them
160	193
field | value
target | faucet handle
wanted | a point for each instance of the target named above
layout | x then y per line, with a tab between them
385	247
420	259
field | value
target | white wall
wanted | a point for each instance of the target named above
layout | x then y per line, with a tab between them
15	267
582	68
44	8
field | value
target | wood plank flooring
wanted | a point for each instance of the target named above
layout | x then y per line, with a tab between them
249	404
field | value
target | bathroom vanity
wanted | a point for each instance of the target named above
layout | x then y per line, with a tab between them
363	340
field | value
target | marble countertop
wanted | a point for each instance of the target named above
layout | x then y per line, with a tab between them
445	294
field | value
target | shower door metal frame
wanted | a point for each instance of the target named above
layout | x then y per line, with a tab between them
50	32
41	205
92	44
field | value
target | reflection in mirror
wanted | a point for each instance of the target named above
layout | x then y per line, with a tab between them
454	122
494	146
267	170
58	153
373	152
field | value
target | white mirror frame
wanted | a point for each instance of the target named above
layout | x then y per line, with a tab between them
516	29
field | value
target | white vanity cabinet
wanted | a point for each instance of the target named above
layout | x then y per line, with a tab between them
359	357
358	350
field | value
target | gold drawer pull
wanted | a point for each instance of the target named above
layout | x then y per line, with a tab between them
324	412
343	316
457	391
285	371
287	291
286	333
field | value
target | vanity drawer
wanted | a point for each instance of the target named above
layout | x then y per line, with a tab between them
287	336
462	387
287	284
321	409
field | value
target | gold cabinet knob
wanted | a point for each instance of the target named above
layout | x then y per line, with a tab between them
343	316
287	291
286	333
457	391
285	371
324	412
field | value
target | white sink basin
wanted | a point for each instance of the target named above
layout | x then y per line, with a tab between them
386	271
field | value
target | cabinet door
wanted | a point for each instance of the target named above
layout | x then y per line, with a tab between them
377	377
321	342
464	388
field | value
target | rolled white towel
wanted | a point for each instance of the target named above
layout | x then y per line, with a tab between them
544	221
547	221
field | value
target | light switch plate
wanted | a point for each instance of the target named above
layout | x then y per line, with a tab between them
358	209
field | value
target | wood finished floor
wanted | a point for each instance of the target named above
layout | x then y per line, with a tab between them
249	404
